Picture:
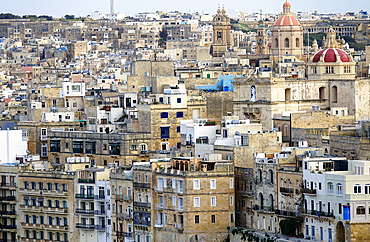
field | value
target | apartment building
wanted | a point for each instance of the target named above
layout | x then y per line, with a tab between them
122	204
102	149
143	201
194	199
93	205
9	203
46	208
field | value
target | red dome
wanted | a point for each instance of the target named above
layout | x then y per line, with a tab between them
330	55
286	4
287	21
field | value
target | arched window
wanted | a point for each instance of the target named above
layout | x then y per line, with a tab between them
339	189
330	188
322	93
259	175
297	42
276	43
271	177
253	94
287	94
286	42
360	210
334	91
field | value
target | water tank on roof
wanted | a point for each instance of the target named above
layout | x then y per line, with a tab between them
235	122
237	133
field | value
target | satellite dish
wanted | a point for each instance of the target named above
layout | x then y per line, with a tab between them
174	147
27	151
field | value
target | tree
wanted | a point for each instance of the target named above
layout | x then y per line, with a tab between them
67	16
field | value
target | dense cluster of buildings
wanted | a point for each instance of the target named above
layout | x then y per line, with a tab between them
181	127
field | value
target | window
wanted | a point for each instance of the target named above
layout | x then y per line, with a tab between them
297	42
178	129
33	185
50	186
329	69
357	188
319	186
213	201
287	42
196	184
174	201
178	100
196	219
360	210
245	140
164	115
56	185
231	201
330	188
197	202
25	185
54	145
367	188
179	114
161	99
173	183
339	189
44	150
133	147
339	208
64	187
165	132
232	183
213	183
213	219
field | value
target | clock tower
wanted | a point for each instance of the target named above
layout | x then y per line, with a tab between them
262	41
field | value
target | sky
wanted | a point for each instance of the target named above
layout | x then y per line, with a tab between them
59	8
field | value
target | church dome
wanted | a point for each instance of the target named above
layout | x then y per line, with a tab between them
330	55
287	21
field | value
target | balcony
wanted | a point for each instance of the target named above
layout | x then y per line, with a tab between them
31	226
30	208
85	196
85	211
54	210
100	227
86	181
124	234
100	197
127	215
55	227
309	191
179	208
8	213
143	153
179	226
159	206
287	213
141	205
122	197
286	190
141	223
8	227
99	212
85	226
141	185
158	189
158	223
114	152
8	198
320	213
246	193
8	185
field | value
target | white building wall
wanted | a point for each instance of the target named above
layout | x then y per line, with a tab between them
12	144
